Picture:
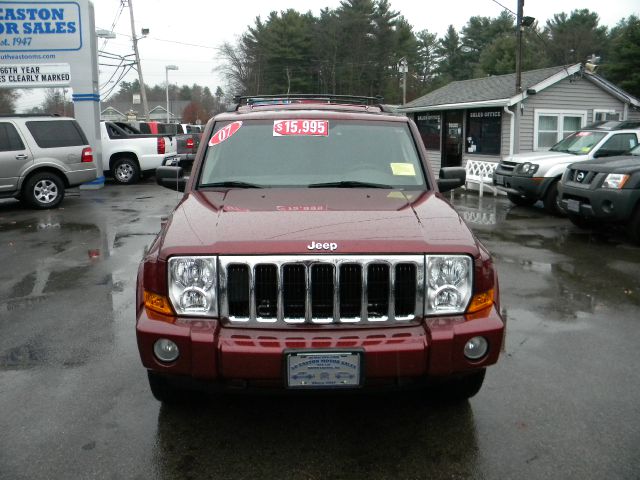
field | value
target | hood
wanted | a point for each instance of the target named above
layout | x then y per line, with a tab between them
313	221
546	157
622	164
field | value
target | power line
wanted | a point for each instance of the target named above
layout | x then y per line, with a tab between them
113	24
507	9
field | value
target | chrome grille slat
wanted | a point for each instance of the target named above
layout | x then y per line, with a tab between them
321	289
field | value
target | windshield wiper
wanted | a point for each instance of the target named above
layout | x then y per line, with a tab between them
232	184
349	184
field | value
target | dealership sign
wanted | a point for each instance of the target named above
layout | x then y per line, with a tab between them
41	75
40	26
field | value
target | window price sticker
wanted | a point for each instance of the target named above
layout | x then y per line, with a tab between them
313	128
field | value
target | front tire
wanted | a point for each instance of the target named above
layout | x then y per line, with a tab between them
163	391
520	200
126	171
551	200
43	190
463	388
633	228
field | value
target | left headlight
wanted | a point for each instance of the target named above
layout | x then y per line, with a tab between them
449	283
528	169
615	180
193	286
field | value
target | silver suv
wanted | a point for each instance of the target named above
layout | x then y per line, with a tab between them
41	156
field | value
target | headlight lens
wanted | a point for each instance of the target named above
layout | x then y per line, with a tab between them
528	169
449	283
192	285
615	180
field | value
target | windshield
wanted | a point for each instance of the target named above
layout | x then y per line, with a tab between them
635	150
578	143
312	153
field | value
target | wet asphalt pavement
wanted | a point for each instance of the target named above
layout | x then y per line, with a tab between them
563	401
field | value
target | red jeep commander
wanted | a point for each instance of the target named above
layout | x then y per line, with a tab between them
313	250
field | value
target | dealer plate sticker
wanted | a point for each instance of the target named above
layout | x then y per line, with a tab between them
323	369
288	128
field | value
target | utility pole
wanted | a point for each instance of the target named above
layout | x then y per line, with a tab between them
519	28
143	92
518	106
403	67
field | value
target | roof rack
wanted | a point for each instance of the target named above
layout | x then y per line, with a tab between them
286	99
6	115
613	125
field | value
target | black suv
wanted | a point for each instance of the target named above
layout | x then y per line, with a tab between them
605	190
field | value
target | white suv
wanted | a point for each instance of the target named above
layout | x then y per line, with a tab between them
40	156
533	176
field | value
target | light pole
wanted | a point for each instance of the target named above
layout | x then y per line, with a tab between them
166	70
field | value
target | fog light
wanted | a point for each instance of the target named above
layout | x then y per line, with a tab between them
476	348
166	350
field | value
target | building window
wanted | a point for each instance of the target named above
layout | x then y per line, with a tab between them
551	126
604	115
484	129
429	126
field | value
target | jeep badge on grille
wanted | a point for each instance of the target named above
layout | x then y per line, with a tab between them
322	246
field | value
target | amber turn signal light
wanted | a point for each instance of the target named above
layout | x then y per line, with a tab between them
480	301
157	303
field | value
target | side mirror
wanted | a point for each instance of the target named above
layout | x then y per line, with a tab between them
451	177
172	178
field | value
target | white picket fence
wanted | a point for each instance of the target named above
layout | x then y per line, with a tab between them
481	173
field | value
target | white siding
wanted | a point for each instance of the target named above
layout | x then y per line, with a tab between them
633	114
569	94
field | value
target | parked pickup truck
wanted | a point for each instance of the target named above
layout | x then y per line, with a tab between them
127	153
604	191
313	250
187	141
529	177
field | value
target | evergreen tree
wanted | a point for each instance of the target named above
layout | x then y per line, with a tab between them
622	66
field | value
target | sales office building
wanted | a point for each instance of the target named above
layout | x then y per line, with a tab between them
482	119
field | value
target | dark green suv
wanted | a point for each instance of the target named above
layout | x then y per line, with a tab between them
604	190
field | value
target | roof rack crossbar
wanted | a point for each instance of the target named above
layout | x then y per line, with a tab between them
321	98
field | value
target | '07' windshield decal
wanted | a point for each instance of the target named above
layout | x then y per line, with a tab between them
224	133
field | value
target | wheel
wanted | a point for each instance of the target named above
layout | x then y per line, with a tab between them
163	391
465	387
551	200
43	190
520	200
633	227
126	171
581	222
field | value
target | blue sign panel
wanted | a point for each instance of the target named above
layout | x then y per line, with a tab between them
40	26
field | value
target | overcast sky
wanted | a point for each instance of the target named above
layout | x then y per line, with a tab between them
205	24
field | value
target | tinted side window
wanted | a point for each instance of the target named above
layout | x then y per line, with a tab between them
9	139
619	143
57	133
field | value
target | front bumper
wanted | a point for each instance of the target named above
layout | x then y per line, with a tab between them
531	187
229	356
604	204
181	159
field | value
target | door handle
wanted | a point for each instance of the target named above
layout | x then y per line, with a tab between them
22	156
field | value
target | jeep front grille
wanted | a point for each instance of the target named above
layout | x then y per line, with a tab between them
331	289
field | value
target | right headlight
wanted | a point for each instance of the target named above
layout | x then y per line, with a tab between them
449	284
615	180
193	286
528	169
